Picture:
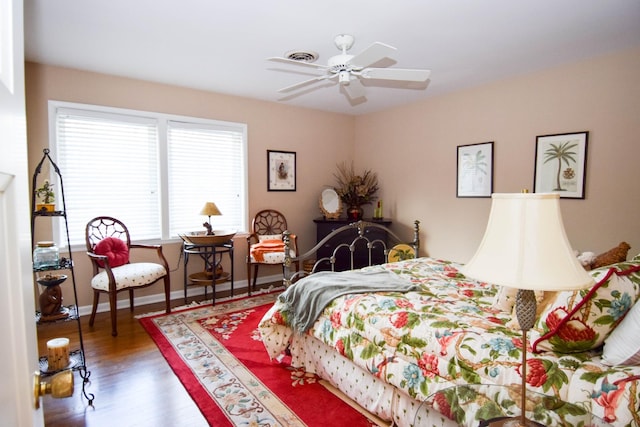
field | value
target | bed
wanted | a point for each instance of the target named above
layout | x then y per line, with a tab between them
403	355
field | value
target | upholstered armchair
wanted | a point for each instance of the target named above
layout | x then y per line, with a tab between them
109	248
265	245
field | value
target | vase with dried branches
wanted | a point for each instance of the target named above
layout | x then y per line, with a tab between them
355	189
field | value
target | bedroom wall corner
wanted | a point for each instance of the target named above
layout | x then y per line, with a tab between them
413	150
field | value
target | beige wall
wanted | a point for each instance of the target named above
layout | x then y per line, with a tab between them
319	139
413	149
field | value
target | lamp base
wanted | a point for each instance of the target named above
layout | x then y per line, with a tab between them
508	422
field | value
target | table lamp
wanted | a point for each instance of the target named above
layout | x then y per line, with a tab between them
209	209
525	247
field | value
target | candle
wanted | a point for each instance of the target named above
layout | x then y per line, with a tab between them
377	212
58	353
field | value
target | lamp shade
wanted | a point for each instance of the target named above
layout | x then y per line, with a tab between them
210	209
525	246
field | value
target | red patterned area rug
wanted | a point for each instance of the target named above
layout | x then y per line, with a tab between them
217	354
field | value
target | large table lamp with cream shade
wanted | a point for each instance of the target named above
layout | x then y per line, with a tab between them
525	246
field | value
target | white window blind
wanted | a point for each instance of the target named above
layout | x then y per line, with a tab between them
109	166
151	170
206	164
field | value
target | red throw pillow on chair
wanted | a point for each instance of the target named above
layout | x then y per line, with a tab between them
114	249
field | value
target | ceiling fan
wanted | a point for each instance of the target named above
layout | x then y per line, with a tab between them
348	70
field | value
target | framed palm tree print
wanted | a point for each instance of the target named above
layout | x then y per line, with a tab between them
475	170
561	162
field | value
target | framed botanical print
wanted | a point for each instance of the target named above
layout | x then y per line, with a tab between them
561	162
281	170
475	170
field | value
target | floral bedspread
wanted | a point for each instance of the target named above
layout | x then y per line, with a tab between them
451	333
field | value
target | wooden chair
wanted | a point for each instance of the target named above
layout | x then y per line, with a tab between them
265	245
109	246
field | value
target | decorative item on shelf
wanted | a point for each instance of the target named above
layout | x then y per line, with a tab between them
47	197
209	209
205	277
355	212
377	212
58	353
219	270
330	203
46	255
525	247
355	189
50	300
49	280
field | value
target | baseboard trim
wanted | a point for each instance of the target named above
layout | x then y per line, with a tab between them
239	287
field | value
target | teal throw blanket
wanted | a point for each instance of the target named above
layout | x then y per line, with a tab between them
305	300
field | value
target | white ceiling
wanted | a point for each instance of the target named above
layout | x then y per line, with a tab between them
222	45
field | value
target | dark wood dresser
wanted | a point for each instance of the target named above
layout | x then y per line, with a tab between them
325	226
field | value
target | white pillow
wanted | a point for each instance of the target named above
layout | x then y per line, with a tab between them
622	346
263	237
505	298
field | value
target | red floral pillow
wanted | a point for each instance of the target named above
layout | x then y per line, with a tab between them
115	250
581	320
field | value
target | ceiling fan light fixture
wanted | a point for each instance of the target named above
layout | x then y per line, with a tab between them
302	55
344	77
344	42
349	70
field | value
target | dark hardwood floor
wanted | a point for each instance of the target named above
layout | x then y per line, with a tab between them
132	383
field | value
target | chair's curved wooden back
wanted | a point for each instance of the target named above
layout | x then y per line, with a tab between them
101	227
105	226
269	221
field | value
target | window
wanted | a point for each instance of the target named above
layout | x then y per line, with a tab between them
198	174
152	171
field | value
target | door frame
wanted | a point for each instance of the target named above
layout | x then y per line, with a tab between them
19	350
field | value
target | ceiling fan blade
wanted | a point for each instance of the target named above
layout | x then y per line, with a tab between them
372	54
304	83
411	75
299	63
354	89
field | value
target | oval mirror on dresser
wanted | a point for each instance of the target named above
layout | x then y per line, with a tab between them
330	203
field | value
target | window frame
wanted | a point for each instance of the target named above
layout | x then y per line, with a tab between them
162	120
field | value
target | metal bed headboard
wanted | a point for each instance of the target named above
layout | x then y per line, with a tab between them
360	242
